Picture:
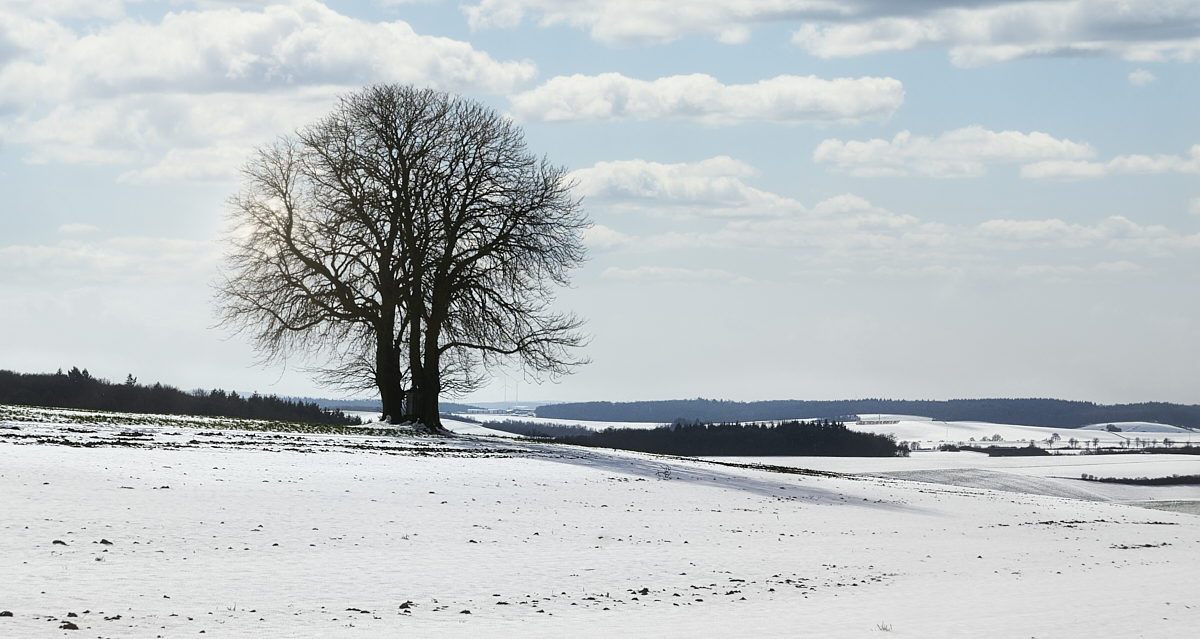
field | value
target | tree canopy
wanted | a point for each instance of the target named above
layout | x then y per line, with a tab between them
408	241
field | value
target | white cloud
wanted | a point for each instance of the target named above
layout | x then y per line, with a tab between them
936	270
283	46
1141	78
966	152
212	164
634	22
180	137
791	99
1145	164
1059	233
1049	270
77	227
960	153
66	8
1066	273
1121	266
1030	232
600	237
973	32
665	273
184	95
123	261
847	228
1064	170
708	187
840	226
716	188
976	35
1114	233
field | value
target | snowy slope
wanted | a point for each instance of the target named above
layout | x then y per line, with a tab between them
468	428
930	433
1138	427
263	534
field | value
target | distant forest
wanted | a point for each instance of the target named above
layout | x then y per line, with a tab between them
1055	413
78	389
826	439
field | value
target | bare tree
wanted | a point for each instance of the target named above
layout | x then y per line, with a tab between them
408	241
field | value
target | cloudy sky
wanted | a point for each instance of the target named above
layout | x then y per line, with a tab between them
809	199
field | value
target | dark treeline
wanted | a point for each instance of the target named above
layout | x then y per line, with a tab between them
1173	480
365	405
1054	413
827	439
78	389
1004	451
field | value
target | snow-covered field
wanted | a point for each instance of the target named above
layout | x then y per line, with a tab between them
928	433
194	527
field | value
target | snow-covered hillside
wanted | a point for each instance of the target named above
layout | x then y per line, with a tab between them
171	528
1138	427
930	434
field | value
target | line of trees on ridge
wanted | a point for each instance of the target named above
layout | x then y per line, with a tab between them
793	438
78	389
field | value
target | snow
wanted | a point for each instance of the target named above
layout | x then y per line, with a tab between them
546	540
461	427
468	428
1139	427
932	433
928	433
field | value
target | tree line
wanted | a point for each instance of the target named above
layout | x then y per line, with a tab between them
1055	413
79	389
794	438
1173	480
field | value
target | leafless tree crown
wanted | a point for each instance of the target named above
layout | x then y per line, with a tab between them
408	241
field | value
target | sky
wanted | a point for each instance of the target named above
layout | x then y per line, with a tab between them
801	199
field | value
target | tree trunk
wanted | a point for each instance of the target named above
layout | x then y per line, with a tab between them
429	413
431	374
389	379
412	407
